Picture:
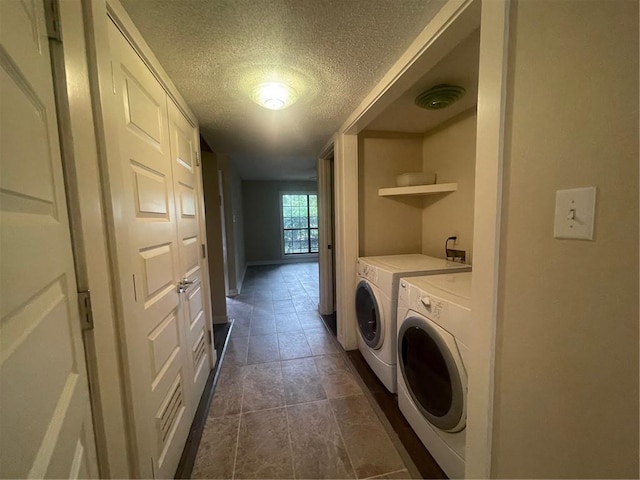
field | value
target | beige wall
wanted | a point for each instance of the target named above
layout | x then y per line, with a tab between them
566	391
234	233
388	226
214	235
450	151
237	219
262	225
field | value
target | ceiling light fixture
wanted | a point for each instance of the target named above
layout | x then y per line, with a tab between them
274	95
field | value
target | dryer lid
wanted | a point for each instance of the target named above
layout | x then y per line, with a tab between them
456	288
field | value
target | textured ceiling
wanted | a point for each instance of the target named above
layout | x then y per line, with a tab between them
333	51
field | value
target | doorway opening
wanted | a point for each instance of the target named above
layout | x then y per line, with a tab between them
326	254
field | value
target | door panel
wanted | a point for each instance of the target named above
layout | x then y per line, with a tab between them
150	193
155	338
164	343
45	421
186	180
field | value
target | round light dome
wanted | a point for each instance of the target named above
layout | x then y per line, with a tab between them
274	95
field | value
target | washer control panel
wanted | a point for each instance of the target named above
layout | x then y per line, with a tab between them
368	271
403	293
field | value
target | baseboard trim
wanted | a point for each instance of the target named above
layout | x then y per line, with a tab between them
283	261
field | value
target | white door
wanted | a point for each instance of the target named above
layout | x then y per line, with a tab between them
195	295
158	199
45	415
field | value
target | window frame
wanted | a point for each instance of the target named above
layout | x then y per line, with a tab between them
282	229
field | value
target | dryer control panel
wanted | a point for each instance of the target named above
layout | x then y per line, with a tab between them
428	305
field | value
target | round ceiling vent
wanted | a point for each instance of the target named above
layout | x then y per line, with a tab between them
440	96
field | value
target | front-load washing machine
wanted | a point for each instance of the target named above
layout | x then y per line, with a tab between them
376	305
434	320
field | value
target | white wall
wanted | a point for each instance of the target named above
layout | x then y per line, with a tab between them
261	200
450	151
388	225
566	391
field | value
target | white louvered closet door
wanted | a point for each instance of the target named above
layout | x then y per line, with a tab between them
160	377
188	195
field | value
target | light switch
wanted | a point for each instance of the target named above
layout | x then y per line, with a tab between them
575	213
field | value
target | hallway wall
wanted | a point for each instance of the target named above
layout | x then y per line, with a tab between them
261	200
238	226
234	225
214	235
566	365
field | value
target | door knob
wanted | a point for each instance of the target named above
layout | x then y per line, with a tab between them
183	284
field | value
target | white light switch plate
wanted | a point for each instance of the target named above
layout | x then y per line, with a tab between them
575	213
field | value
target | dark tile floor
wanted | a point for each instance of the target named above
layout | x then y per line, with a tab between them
388	403
287	403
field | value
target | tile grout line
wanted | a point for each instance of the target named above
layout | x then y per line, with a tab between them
355	474
235	457
396	471
286	414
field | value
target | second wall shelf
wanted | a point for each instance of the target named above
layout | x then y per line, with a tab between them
418	189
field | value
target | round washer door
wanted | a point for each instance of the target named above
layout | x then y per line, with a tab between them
369	315
432	374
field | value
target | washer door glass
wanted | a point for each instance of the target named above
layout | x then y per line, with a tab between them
368	315
431	374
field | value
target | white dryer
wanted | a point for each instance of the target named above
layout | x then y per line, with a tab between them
434	317
376	305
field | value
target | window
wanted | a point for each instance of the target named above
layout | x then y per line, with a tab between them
299	223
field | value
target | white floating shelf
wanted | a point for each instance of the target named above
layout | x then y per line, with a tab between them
418	189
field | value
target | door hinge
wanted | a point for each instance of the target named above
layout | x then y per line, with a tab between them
52	18
204	251
86	314
209	336
197	159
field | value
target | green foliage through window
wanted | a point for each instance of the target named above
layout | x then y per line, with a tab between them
300	223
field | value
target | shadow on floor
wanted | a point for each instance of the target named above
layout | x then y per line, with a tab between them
331	323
